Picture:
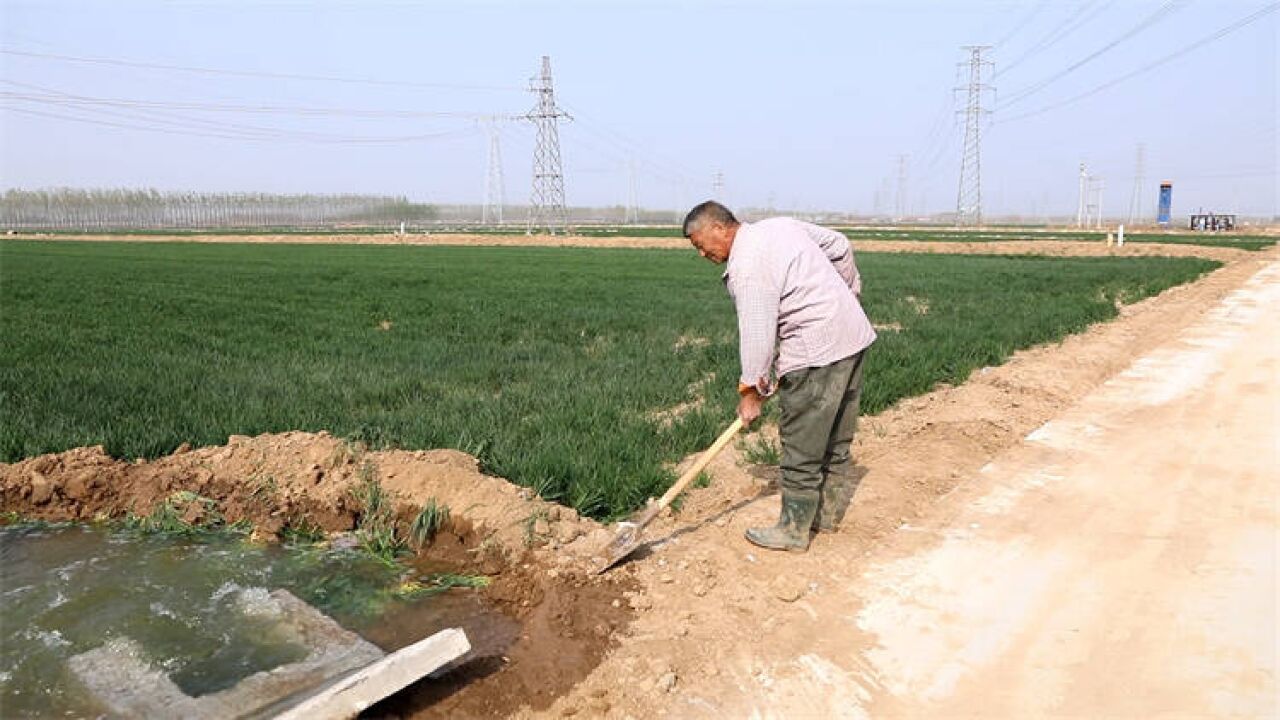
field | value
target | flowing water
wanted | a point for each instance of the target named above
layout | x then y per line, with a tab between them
70	588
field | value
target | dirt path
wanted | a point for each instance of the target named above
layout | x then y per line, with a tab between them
1063	248
1130	545
1121	562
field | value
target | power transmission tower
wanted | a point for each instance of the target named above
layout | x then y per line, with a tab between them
969	196
880	200
1084	185
546	204
1139	180
1096	184
1089	210
494	190
900	202
633	209
717	186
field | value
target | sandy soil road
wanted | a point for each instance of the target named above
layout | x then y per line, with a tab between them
1121	562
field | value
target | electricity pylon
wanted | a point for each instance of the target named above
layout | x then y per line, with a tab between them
969	195
1139	180
546	203
494	190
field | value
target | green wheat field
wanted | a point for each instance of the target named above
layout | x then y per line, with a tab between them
555	366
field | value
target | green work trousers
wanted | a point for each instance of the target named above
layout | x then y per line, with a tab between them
819	414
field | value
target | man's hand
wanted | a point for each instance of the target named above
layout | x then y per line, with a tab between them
749	407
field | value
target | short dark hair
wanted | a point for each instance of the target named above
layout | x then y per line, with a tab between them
705	212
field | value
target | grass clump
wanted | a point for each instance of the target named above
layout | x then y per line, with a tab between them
376	529
430	519
302	532
13	520
530	525
761	451
184	514
437	583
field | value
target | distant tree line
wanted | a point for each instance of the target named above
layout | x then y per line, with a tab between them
122	209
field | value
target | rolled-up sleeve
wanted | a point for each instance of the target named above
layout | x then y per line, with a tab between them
756	300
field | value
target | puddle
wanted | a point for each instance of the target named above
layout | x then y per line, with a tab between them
65	590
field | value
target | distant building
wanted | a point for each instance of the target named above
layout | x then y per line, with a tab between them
1213	222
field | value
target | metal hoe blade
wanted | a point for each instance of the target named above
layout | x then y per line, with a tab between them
628	538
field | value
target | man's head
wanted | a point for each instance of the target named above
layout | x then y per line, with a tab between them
711	228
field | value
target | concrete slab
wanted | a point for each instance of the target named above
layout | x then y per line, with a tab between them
352	695
121	676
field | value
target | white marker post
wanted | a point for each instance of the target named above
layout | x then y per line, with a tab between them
1120	237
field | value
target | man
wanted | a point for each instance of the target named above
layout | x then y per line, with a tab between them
796	287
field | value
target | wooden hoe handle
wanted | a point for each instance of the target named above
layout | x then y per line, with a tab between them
699	464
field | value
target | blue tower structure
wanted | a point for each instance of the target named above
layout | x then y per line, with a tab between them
1165	212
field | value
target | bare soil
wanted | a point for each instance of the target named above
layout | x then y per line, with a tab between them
688	627
1057	248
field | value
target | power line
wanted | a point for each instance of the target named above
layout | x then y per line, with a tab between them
1071	24
249	73
45	92
947	144
1164	11
1242	22
625	152
1263	172
936	133
126	126
629	148
230	132
1021	24
180	124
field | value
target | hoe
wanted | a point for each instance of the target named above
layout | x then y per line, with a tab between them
627	539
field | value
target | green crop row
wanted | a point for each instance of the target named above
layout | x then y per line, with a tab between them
558	367
1243	242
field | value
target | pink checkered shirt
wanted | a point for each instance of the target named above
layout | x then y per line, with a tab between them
796	289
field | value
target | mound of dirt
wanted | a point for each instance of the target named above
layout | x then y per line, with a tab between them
291	479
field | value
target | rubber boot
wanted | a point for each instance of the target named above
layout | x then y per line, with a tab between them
792	531
833	503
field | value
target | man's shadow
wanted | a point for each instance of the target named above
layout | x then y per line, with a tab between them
769	474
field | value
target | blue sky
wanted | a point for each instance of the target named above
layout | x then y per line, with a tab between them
801	105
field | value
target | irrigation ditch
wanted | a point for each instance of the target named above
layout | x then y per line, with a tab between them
451	547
